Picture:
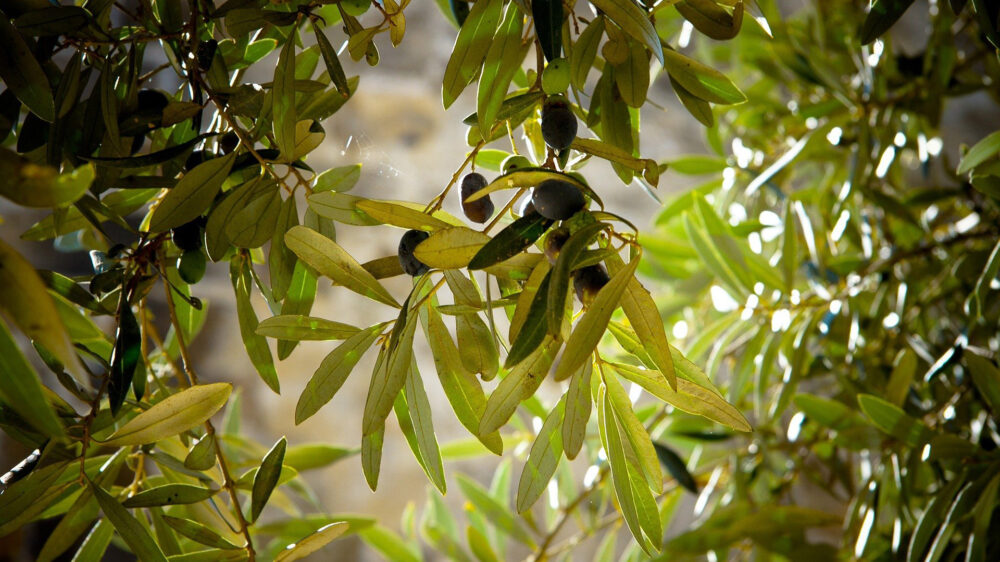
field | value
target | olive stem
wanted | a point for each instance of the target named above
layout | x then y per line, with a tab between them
438	199
506	208
227	479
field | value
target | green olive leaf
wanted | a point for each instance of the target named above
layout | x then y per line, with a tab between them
510	241
198	533
471	45
129	529
312	542
298	327
578	407
192	194
330	259
543	459
592	325
634	21
172	415
266	478
333	371
169	494
503	59
22	74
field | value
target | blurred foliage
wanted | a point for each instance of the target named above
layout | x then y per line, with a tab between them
829	286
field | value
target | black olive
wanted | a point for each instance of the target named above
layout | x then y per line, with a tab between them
587	281
479	210
188	236
554	243
408	243
206	52
557	200
558	123
526	207
228	142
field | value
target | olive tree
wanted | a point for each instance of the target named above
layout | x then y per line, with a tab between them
834	325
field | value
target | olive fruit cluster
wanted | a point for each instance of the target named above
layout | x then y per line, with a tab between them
559	125
587	281
407	244
188	238
481	209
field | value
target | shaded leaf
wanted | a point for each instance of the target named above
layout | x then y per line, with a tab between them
169	494
510	241
266	478
198	533
192	194
129	529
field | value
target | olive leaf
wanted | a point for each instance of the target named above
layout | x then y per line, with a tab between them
266	478
172	415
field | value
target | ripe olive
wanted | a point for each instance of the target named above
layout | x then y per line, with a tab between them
191	265
515	162
557	200
587	281
554	242
187	236
479	210
558	123
206	52
408	243
228	142
459	9
555	77
526	207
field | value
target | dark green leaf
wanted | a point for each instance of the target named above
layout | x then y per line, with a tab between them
22	74
510	241
129	529
266	478
169	494
676	467
198	533
882	15
192	194
126	355
548	18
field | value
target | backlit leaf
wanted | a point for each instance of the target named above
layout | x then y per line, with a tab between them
470	48
20	388
297	327
503	59
894	421
256	345
634	21
578	407
333	371
312	543
329	259
591	326
172	415
283	98
543	458
450	248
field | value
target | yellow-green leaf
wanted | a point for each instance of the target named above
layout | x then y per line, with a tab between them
634	21
701	80
450	248
578	407
591	326
470	48
520	383
388	381
635	434
333	371
329	259
298	327
643	314
543	458
33	185
172	415
398	215
503	59
689	397
25	300
313	542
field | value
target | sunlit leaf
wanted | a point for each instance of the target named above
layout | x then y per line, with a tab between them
172	415
543	458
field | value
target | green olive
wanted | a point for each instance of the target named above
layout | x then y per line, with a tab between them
555	77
